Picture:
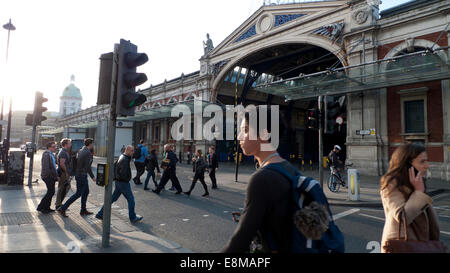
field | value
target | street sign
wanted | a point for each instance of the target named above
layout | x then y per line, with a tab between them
340	120
362	132
372	132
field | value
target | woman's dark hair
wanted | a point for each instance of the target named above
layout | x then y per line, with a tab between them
153	151
399	167
200	152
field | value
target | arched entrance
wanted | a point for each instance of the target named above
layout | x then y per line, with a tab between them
283	61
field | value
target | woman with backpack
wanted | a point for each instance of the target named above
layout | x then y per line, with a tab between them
407	207
151	162
199	170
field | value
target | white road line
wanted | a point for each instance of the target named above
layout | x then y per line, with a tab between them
162	225
345	213
445	232
370	216
225	211
442	208
185	220
445	216
206	215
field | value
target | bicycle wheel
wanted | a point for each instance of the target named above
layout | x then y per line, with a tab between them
333	183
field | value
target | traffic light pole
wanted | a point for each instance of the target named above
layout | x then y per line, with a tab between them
30	168
320	142
111	139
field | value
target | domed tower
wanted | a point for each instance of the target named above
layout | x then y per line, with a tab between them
70	100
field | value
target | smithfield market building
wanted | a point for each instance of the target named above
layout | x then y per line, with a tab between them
385	74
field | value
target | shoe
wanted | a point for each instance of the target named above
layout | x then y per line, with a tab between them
155	191
187	193
137	219
178	192
214	187
172	189
99	217
146	189
85	213
62	213
206	194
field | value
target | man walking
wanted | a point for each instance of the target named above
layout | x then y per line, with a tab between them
213	163
49	175
169	166
64	171
150	164
84	162
140	154
122	177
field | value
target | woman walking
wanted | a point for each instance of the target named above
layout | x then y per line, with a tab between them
199	169
404	198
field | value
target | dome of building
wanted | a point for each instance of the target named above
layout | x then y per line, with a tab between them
71	91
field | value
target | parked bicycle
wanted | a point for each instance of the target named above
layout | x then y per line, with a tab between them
336	179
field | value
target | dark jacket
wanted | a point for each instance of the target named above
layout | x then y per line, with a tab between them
151	163
63	154
213	161
199	166
48	170
173	160
84	162
122	170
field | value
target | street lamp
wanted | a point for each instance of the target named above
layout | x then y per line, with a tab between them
9	26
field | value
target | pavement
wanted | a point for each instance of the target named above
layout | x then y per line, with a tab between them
24	230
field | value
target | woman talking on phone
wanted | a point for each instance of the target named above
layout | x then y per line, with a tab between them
403	193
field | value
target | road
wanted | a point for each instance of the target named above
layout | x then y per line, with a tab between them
205	224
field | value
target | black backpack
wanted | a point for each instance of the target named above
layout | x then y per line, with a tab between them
137	153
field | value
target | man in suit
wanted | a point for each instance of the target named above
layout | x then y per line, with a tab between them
169	166
213	163
50	176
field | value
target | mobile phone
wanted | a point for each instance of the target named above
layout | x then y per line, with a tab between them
416	172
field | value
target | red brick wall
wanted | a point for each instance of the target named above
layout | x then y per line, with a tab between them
434	117
443	41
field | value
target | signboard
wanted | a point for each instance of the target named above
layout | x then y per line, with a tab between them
362	132
370	132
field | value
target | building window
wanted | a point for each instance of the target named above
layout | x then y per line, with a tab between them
156	136
414	116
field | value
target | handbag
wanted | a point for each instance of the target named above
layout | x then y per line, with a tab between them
400	245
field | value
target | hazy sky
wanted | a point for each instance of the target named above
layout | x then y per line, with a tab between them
55	39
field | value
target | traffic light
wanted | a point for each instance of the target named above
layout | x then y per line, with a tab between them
39	109
128	79
333	110
29	120
312	119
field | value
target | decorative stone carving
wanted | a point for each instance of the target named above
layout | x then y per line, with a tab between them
333	32
208	45
216	68
360	16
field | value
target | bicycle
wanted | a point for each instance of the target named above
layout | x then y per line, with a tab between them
336	180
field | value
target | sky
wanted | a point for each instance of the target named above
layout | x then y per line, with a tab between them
55	39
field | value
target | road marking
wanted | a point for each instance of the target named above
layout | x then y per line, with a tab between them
345	213
241	208
206	215
225	211
370	216
445	232
185	220
445	216
442	208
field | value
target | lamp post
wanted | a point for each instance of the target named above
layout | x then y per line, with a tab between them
9	26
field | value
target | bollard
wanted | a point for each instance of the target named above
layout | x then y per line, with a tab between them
353	184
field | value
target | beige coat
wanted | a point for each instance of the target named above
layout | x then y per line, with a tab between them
419	213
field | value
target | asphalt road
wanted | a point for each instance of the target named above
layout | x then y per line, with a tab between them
205	224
